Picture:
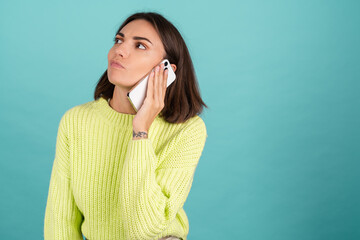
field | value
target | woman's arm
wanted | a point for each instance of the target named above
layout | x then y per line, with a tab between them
152	197
153	103
62	217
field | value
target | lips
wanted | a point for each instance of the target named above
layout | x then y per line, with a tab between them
116	64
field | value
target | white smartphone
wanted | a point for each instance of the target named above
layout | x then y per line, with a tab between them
137	94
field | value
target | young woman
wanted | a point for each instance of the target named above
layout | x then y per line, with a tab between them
122	174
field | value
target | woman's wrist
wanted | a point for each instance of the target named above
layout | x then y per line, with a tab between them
139	133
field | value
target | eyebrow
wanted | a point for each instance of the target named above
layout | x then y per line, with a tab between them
135	38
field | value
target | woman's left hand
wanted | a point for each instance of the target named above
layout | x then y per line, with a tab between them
153	103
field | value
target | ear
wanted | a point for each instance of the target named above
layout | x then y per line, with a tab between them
173	67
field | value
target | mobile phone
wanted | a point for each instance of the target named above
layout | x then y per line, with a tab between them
137	94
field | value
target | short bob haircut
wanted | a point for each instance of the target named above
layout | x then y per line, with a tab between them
182	98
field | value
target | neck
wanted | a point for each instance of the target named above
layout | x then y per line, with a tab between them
120	103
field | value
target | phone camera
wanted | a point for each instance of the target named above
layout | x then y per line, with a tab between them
166	63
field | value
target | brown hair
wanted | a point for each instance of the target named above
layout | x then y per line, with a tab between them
182	98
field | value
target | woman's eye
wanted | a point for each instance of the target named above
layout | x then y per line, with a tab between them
116	39
142	45
138	44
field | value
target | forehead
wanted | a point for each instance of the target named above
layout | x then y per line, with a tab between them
141	28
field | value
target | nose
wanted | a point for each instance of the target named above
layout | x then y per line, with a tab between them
122	50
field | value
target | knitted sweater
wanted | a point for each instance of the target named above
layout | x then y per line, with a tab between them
105	185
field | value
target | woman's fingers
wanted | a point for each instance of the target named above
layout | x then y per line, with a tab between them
156	87
159	95
166	71
150	85
162	86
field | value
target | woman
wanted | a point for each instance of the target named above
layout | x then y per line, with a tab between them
122	174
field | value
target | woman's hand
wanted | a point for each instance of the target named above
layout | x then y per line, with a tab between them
153	103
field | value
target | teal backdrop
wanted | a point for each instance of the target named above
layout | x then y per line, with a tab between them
281	79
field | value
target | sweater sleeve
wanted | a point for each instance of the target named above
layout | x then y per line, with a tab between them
62	217
151	198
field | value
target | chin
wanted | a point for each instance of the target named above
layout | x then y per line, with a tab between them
121	79
123	83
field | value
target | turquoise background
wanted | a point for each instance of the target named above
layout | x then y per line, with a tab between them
281	79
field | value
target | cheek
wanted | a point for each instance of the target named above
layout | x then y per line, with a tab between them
110	53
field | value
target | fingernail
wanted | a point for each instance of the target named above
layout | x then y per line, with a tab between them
157	68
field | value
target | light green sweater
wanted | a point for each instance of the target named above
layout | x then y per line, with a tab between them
105	185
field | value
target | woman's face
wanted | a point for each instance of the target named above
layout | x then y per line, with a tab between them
137	55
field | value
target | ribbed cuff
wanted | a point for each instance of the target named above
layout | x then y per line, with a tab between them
142	151
140	148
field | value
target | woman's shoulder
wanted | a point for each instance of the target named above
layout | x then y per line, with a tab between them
191	127
195	123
